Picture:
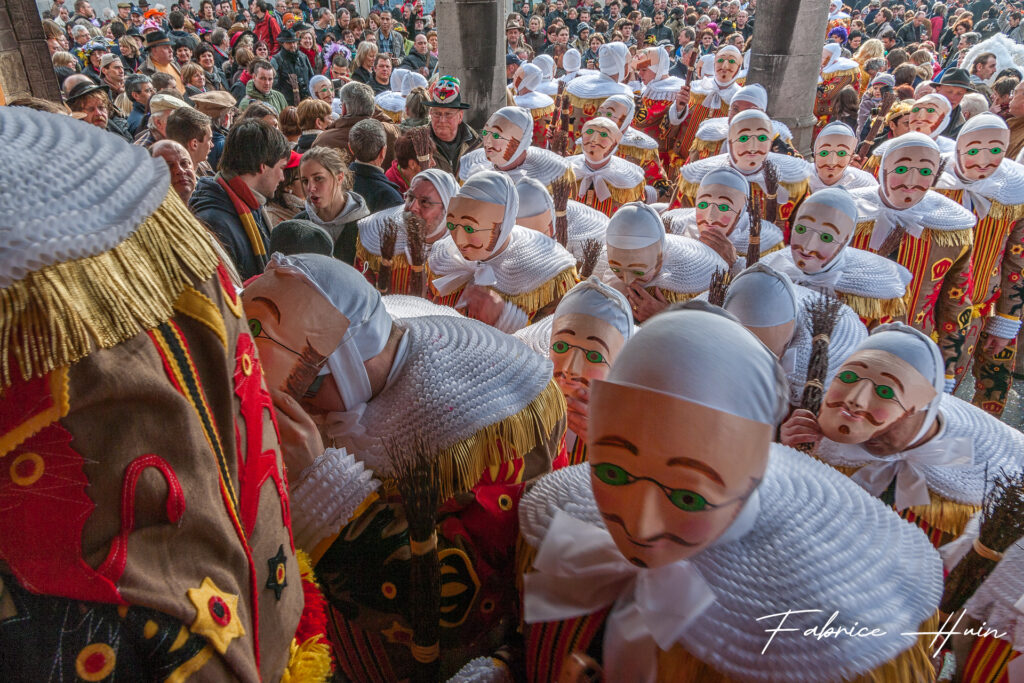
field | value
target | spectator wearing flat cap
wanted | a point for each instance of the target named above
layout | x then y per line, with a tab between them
293	69
220	107
160	58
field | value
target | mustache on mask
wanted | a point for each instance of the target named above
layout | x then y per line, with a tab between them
811	254
572	378
910	187
859	413
664	536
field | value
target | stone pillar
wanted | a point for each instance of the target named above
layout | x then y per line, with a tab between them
25	66
788	37
471	40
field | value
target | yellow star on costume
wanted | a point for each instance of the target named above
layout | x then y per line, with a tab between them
216	615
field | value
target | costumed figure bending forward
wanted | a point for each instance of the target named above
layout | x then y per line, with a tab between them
688	527
837	72
525	85
500	272
473	409
537	211
659	91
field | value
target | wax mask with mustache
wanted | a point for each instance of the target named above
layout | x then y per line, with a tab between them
750	140
503	136
929	115
475	226
820	232
719	207
833	152
616	109
728	62
982	147
908	171
674	453
295	328
600	140
872	390
583	349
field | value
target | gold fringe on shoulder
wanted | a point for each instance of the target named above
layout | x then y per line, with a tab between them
461	465
914	664
628	194
582	103
676	297
846	73
778	247
949	238
686	189
541	112
944	514
533	301
637	155
569	176
696	98
710	147
874	309
797	189
999	212
59	314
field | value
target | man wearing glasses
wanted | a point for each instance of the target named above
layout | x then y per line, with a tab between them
451	135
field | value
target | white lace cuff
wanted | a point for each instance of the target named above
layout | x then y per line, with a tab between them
998	326
512	318
326	494
674	117
482	670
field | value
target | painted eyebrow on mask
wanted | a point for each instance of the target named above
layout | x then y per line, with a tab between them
618	442
699	466
269	304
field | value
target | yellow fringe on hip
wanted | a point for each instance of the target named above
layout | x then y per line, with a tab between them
874	309
61	313
796	190
541	112
583	103
373	260
637	155
709	147
461	465
914	664
949	238
532	301
676	297
944	514
1013	212
308	662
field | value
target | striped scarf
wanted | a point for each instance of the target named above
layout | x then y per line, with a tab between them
245	204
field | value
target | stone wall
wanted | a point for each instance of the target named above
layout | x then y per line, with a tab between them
471	35
25	67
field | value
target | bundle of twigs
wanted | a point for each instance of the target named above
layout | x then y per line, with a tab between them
892	242
591	252
423	146
771	186
415	243
720	281
754	232
561	189
388	237
821	313
555	123
1002	523
418	483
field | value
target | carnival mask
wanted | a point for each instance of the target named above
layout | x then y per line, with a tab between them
295	328
517	80
908	173
635	265
775	337
872	391
926	116
541	223
979	152
475	226
719	207
598	143
669	475
583	349
750	140
501	140
616	111
819	233
644	67
832	155
727	65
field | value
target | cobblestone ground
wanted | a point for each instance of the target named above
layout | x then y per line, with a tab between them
1014	413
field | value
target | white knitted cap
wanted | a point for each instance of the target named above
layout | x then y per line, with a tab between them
443	182
50	217
356	299
532	78
522	120
753	93
660	63
751	115
706	63
837	128
613	59
571	60
837	198
635	226
918	350
761	296
630	105
413	80
494	188
596	299
534	199
546	64
835	51
726	176
398	79
701	354
983	121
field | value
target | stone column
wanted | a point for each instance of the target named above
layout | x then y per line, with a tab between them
25	66
788	37
471	40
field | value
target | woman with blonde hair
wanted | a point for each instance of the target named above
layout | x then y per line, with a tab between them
62	58
327	203
365	56
194	78
130	56
870	49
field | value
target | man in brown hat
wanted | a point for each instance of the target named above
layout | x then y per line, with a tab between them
953	85
452	137
513	37
220	107
160	57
